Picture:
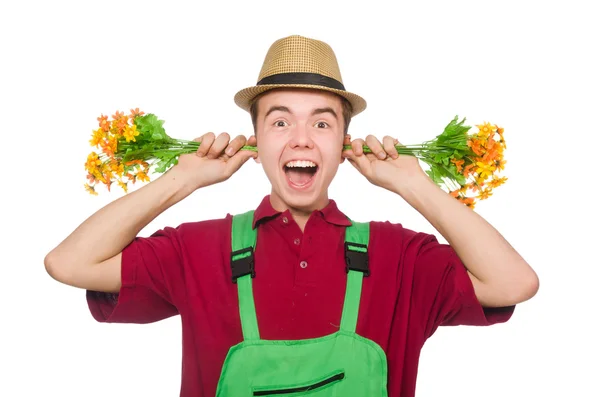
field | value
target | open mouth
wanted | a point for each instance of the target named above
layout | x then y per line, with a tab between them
300	173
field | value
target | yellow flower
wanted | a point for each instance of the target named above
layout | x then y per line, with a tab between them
485	170
123	185
90	189
97	137
92	163
130	133
142	176
484	194
486	129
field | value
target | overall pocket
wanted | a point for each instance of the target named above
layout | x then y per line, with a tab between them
308	387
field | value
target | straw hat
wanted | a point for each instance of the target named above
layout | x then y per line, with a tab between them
297	61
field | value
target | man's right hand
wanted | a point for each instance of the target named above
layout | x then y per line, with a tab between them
216	160
114	226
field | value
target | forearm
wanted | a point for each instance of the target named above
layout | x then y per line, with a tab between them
500	275
107	232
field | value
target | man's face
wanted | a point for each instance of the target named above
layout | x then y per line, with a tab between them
299	137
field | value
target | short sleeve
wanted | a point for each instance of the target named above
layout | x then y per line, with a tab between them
150	270
444	292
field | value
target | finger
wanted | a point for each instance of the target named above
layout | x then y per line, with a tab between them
251	141
357	157
218	146
206	142
238	159
376	147
357	146
235	145
389	146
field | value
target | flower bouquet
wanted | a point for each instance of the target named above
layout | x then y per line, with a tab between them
465	164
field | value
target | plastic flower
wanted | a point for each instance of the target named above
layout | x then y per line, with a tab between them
465	164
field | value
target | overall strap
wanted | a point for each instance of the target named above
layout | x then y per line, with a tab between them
357	267
243	242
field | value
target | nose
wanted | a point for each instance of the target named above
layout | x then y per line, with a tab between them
301	137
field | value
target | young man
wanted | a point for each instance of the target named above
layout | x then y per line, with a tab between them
300	111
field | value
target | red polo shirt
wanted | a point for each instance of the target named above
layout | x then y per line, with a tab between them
416	285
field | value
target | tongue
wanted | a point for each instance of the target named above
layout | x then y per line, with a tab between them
299	176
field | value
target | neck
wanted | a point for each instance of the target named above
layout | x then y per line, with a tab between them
300	217
299	214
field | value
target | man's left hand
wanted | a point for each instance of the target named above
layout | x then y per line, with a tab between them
383	167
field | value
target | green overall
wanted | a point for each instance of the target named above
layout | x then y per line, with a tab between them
339	364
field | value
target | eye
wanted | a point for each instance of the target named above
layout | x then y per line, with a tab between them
280	123
322	124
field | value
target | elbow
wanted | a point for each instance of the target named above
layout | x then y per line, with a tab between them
526	288
54	267
50	265
533	286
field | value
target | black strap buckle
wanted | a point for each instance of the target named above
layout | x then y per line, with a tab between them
357	259
242	266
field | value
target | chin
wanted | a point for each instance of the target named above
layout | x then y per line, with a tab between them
305	200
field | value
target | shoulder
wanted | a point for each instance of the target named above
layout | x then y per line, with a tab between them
203	232
386	233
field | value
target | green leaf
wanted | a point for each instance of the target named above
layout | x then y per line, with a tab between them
151	128
165	163
455	131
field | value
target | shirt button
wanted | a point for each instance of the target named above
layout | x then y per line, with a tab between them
303	264
285	219
297	241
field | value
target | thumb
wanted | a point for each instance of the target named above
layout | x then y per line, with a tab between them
238	159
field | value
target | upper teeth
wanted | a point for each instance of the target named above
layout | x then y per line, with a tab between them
300	163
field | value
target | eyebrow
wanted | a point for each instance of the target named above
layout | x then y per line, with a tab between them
314	112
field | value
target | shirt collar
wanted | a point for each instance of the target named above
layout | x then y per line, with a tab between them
330	213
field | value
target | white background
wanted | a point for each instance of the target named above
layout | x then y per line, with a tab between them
531	67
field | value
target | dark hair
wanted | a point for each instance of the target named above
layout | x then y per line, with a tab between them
346	111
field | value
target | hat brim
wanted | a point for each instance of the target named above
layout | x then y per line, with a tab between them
245	97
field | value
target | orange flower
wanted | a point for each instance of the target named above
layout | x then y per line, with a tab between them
132	162
458	164
109	147
132	178
475	187
495	182
500	163
468	170
490	155
135	113
475	145
468	201
103	123
500	132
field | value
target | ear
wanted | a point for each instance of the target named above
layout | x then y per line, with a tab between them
347	141
257	159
